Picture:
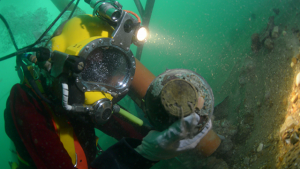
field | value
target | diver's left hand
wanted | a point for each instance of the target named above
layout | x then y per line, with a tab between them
180	136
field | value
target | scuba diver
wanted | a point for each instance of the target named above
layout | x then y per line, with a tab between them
72	88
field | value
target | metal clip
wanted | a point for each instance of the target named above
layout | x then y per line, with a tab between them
75	165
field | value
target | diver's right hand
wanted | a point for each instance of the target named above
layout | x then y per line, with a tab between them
181	136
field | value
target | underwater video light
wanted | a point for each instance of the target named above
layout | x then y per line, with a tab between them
107	10
141	34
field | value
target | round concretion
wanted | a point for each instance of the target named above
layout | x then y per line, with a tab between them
179	97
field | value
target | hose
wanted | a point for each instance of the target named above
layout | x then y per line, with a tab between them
131	117
9	31
134	14
74	9
52	24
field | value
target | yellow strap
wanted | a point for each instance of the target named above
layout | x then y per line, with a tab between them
65	133
63	129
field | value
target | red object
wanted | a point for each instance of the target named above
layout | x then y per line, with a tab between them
209	143
35	127
37	131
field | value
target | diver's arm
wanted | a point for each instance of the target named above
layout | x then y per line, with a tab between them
131	153
181	136
122	156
